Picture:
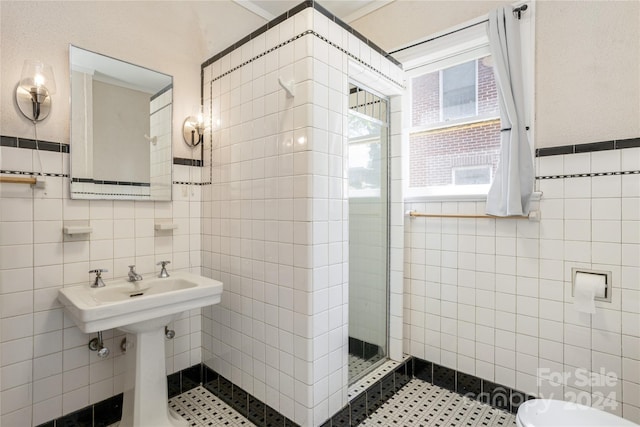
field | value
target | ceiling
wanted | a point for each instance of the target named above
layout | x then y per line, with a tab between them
347	10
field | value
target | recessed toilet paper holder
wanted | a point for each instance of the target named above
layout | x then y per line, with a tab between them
607	284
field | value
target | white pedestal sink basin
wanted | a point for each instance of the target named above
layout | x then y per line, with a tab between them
143	309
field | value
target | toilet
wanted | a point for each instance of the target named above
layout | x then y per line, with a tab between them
556	413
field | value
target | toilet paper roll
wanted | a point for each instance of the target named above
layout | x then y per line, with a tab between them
586	287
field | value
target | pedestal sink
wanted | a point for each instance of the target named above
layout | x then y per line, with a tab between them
142	309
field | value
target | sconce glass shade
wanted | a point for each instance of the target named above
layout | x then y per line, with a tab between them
36	85
193	129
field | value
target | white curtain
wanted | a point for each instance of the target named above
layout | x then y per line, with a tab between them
512	186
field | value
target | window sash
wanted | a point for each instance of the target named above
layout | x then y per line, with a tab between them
442	93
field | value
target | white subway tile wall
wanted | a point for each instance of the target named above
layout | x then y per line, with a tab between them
492	298
275	222
46	368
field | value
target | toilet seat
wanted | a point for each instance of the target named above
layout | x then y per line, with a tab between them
556	413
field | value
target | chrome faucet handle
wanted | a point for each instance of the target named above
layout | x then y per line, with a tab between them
163	270
133	276
98	282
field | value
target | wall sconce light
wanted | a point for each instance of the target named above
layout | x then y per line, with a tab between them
34	91
193	129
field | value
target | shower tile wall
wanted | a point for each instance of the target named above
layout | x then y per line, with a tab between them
46	367
275	221
492	298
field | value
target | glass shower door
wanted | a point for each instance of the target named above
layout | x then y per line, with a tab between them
368	231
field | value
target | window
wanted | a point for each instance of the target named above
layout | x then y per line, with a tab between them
472	175
454	130
454	140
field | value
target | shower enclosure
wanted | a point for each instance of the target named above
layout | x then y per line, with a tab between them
368	135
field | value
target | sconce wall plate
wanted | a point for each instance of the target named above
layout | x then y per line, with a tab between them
192	131
33	94
35	107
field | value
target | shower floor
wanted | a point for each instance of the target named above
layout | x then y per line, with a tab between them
420	403
358	365
417	404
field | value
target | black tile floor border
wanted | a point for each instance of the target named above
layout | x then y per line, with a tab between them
247	405
495	395
367	402
109	411
470	386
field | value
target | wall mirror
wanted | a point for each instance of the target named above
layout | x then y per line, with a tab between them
121	118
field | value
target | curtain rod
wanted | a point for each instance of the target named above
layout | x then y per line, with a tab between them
516	11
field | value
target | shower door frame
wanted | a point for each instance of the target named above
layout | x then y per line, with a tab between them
387	181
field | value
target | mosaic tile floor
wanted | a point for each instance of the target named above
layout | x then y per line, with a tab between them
417	404
423	404
202	408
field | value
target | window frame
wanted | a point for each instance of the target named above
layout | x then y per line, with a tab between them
447	48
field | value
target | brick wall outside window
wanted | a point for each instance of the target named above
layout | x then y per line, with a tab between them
434	153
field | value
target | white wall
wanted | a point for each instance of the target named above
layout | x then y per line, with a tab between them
172	37
587	60
587	68
46	369
402	22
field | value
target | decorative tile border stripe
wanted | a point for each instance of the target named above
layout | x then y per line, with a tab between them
358	35
13	141
617	144
191	183
586	175
99	193
250	60
250	407
11	172
300	7
106	182
187	162
355	58
294	38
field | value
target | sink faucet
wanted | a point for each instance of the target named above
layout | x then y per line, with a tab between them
133	276
98	283
163	271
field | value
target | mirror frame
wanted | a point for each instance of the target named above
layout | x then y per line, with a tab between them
86	188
